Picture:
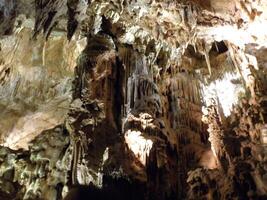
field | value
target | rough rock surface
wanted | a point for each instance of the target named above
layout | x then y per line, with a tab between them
123	99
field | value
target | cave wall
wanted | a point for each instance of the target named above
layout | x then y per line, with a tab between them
140	99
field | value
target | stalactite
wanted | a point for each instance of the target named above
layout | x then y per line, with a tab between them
75	160
206	54
43	53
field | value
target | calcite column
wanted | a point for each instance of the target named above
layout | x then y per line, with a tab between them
145	135
94	115
216	134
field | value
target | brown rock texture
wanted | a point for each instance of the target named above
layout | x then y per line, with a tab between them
133	99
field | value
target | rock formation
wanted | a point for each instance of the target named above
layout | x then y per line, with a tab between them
133	99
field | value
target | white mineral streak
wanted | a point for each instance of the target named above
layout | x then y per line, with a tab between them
139	145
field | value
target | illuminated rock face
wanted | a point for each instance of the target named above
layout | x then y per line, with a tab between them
157	100
36	78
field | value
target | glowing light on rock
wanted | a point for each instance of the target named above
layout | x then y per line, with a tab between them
264	135
225	91
254	33
208	160
229	33
138	144
28	127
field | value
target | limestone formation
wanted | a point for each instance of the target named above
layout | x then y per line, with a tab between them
133	99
